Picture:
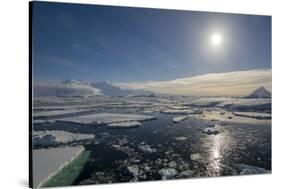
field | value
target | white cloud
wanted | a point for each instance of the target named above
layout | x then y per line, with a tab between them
238	83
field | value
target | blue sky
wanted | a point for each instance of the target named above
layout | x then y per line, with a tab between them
119	44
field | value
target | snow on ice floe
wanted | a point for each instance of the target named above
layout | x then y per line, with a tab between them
128	124
228	117
181	112
233	103
48	162
243	169
179	119
206	102
255	115
45	114
105	118
46	138
246	104
181	138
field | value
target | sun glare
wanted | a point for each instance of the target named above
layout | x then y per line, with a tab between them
216	39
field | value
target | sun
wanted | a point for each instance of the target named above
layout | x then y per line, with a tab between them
216	39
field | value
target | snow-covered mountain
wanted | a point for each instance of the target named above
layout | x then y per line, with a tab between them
110	90
66	88
79	88
261	92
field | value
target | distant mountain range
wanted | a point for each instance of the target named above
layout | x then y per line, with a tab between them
261	92
82	88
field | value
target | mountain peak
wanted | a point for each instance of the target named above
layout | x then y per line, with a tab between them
260	92
70	82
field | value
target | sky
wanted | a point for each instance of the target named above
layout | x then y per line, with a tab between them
140	46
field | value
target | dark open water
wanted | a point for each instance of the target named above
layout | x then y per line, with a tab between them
235	144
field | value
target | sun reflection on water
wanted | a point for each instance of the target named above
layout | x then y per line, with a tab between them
218	143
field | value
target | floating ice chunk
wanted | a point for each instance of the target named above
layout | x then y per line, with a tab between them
167	173
46	138
188	173
248	169
179	119
211	131
255	115
105	118
133	170
146	148
180	138
146	168
121	125
196	157
172	164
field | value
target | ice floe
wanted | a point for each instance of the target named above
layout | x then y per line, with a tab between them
228	117
181	138
46	138
105	118
181	112
255	115
44	114
248	169
128	124
48	162
179	119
